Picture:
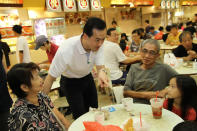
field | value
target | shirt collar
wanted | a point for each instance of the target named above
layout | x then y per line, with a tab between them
80	47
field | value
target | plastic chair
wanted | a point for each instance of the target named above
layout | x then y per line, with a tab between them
118	93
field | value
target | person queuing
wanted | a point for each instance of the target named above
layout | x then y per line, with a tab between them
22	49
6	51
182	97
43	43
5	99
75	60
33	110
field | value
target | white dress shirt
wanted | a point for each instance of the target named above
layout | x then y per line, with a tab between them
113	55
72	61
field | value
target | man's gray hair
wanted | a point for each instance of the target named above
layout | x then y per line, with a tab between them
153	42
184	34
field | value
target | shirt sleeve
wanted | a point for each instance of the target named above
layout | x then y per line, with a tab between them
21	43
191	115
170	72
129	80
59	63
99	59
119	54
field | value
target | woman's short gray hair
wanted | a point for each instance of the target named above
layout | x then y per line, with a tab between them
153	42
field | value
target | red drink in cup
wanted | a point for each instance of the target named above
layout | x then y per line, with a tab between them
157	105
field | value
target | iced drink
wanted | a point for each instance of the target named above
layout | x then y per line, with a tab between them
157	106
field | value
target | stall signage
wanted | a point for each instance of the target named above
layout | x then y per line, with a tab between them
177	4
69	5
83	5
173	4
96	5
168	4
163	4
53	5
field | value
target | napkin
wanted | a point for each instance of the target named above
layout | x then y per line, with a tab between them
95	126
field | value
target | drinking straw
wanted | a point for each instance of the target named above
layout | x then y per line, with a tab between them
140	119
157	92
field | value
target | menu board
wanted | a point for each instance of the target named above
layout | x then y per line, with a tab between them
69	5
53	5
7	32
50	27
95	5
83	5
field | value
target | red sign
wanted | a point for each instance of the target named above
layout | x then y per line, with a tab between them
54	4
96	4
83	4
69	4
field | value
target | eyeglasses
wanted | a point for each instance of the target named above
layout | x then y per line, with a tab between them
114	34
150	52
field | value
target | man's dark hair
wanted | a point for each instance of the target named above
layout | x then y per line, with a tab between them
189	23
161	28
93	23
183	34
114	22
17	29
141	30
147	21
21	74
168	28
152	28
110	30
136	31
174	26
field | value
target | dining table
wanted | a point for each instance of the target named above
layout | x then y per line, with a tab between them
119	115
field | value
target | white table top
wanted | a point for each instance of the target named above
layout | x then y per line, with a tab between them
167	47
185	70
166	123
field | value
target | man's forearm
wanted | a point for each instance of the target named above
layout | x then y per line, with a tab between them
143	95
48	83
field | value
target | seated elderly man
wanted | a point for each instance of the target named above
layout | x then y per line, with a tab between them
187	50
146	78
113	56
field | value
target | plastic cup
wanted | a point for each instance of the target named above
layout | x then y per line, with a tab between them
127	103
138	127
99	117
157	106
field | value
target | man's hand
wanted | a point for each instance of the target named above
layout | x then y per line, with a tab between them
103	79
192	54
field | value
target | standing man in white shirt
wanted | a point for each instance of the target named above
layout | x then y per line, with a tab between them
114	56
74	60
22	49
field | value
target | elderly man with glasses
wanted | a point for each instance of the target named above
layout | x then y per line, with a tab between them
148	77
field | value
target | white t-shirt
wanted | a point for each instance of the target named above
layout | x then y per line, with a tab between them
72	61
112	56
22	45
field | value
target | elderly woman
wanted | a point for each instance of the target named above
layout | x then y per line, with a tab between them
187	50
33	110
